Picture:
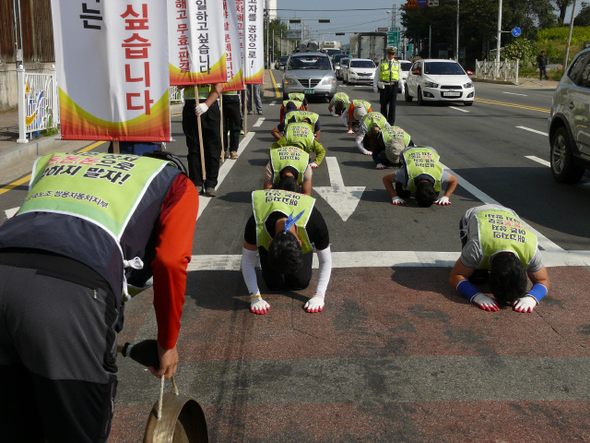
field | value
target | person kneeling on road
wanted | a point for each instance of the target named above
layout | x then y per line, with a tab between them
288	164
421	173
308	117
369	128
283	228
497	247
390	143
338	106
301	135
356	111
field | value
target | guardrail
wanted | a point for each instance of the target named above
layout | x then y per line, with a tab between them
506	70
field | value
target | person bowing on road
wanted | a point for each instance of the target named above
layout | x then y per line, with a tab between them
289	163
301	135
421	173
499	249
284	228
356	111
368	130
309	117
338	106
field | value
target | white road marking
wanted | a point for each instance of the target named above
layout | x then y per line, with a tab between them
272	103
10	212
343	199
538	160
258	122
532	130
459	109
515	93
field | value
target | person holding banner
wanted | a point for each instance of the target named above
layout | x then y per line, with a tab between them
254	89
288	163
232	122
301	135
284	228
81	245
209	115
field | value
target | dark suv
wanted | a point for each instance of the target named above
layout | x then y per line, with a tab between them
569	123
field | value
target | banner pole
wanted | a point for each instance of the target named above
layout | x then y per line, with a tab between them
200	131
116	147
221	128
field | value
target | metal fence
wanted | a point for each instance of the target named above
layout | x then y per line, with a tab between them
38	103
506	70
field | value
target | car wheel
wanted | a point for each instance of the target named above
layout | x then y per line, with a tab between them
563	166
407	94
419	94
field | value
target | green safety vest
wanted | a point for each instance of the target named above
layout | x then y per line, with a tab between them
341	96
299	133
297	103
365	103
299	96
499	231
267	201
292	156
419	161
204	91
374	118
386	74
393	132
299	116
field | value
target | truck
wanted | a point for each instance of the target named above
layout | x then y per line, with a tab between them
369	45
331	47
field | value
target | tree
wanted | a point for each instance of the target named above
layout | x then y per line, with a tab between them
583	18
561	6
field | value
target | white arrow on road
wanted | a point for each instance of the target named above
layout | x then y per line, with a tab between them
343	199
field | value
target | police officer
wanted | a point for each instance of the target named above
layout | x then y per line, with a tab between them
385	81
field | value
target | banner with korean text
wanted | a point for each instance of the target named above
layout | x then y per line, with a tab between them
196	42
254	41
233	46
112	82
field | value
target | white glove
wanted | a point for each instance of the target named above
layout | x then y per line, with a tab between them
380	85
201	109
350	131
398	201
486	303
258	305
333	114
315	304
443	201
525	304
314	165
375	90
380	166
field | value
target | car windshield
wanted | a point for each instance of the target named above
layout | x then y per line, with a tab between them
442	68
405	66
309	62
362	64
284	59
338	57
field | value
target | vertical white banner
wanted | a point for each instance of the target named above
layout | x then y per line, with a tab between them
254	41
112	85
196	42
233	48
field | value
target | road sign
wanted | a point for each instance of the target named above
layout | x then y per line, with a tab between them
432	2
382	29
411	4
516	32
422	3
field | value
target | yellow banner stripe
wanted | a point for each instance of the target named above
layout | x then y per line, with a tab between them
513	105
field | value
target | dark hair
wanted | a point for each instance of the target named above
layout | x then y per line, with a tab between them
507	279
425	194
339	108
285	254
288	183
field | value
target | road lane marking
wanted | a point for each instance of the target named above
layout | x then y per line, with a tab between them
538	160
515	93
258	122
532	130
459	109
513	105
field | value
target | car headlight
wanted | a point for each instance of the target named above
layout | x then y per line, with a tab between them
290	81
428	84
468	85
328	81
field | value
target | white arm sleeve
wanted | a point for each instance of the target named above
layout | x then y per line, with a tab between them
324	270
359	145
248	270
343	118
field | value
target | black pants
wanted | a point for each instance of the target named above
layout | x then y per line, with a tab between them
388	99
276	282
57	359
479	276
210	122
232	122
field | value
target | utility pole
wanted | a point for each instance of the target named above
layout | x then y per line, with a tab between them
569	38
457	45
499	35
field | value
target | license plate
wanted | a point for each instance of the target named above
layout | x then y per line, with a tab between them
451	94
309	91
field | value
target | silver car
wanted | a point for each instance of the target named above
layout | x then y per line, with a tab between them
310	73
569	122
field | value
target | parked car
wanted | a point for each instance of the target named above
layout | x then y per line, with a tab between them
439	80
310	73
359	70
336	62
280	63
343	65
404	70
569	122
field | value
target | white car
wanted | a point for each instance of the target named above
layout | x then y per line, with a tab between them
404	70
439	80
359	70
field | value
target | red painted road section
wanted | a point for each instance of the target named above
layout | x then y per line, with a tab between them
373	317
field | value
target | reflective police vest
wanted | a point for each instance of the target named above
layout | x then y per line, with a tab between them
299	116
501	231
204	91
267	201
299	133
374	118
103	191
299	96
386	74
422	161
288	156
